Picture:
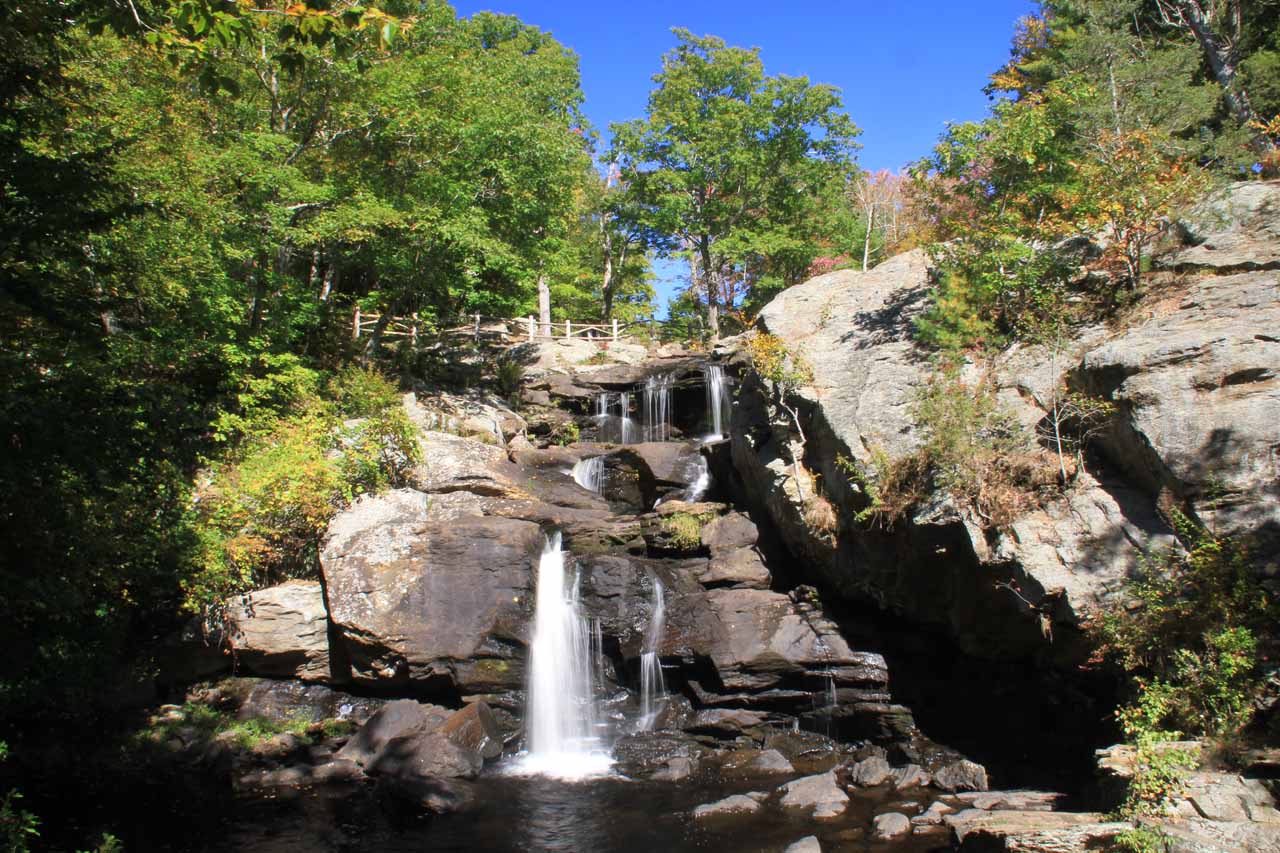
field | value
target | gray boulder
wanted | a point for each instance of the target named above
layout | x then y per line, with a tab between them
417	601
736	804
1236	228
281	631
820	795
961	776
870	772
890	825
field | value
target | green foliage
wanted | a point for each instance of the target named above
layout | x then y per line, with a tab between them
1189	642
1160	767
18	827
261	512
720	139
209	723
1141	839
565	433
773	361
683	530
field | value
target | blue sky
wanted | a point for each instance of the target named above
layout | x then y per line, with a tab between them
906	69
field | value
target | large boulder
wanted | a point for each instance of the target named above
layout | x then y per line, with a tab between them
1056	562
1197	387
1236	228
440	603
281	631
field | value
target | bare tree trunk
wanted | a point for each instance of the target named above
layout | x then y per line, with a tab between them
544	305
606	285
866	244
330	278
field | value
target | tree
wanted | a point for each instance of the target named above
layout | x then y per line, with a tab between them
729	163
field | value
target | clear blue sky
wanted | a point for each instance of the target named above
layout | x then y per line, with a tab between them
906	68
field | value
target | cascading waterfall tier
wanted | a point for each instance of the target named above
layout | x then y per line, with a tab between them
589	473
625	432
717	401
657	408
653	688
561	719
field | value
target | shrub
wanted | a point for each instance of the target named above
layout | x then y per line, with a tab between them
565	433
1188	638
683	530
509	376
261	511
1159	775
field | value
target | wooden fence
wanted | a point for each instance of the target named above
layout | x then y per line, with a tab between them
508	329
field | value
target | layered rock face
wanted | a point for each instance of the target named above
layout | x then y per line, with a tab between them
1192	376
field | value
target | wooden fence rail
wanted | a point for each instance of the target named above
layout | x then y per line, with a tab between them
509	328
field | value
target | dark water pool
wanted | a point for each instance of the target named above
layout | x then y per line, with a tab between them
529	813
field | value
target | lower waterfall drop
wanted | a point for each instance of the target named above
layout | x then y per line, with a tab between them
653	687
560	716
628	428
589	473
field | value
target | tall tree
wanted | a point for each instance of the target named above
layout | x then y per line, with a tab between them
729	162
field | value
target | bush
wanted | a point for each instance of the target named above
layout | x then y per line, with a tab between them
683	530
820	516
972	449
1188	638
261	512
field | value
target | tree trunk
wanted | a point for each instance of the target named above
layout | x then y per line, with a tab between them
544	305
330	277
710	283
1220	53
606	286
866	244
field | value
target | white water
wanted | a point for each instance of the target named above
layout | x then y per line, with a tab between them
717	401
589	473
560	717
701	483
628	425
653	688
657	408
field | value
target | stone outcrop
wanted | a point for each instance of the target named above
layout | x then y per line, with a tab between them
1193	373
415	600
282	631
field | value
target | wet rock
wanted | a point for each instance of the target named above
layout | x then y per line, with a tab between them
869	772
737	804
725	723
933	815
474	728
821	795
808	844
396	719
281	631
911	776
644	753
771	761
889	826
674	770
742	568
285	701
961	776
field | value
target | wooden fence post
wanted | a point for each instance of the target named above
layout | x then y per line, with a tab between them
567	330
615	330
355	324
477	332
532	325
413	330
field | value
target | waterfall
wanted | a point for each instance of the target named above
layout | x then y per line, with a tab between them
698	488
657	408
717	401
589	473
602	404
628	425
561	716
652	686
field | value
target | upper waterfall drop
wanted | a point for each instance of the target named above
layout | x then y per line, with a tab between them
717	401
657	408
561	720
